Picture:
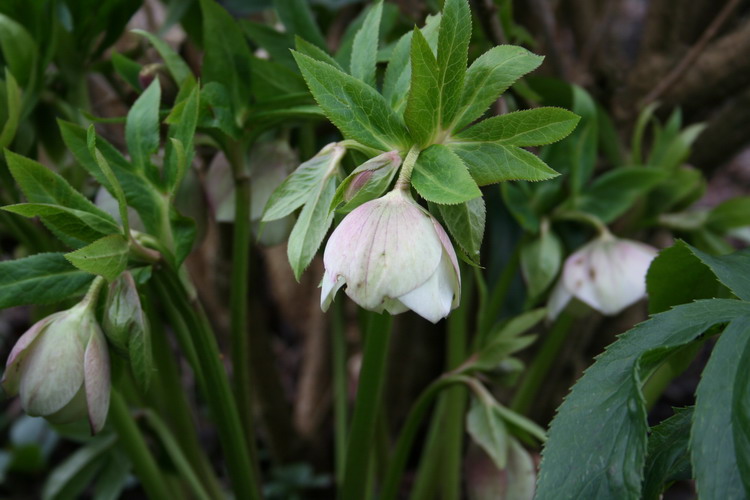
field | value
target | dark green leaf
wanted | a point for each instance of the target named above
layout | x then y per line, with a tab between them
128	69
668	459
182	129
732	270
520	206
490	163
357	109
531	127
19	51
114	477
276	43
270	80
607	460
441	177
179	70
298	19
730	214
423	106
713	451
307	48
311	226
40	279
365	46
741	412
465	222
488	77
106	257
452	54
13	111
142	126
84	226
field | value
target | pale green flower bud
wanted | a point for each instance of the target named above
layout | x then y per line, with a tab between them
60	368
368	181
393	256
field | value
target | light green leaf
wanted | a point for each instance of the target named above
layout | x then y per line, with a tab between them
713	451
465	222
311	227
298	19
452	54
422	114
365	47
227	55
106	257
71	477
668	459
608	403
181	131
111	178
531	127
441	177
142	126
40	279
730	214
114	476
490	163
358	110
176	66
499	350
487	428
84	226
296	189
13	94
489	76
613	193
541	258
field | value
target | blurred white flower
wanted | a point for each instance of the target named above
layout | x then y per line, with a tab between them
393	256
608	274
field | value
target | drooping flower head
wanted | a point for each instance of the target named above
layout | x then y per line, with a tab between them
392	255
608	274
60	368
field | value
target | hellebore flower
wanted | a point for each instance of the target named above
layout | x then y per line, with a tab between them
60	368
608	274
394	256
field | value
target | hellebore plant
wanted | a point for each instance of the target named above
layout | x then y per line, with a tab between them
608	274
60	366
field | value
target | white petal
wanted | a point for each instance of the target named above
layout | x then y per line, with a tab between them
330	285
433	300
557	301
96	380
11	376
451	254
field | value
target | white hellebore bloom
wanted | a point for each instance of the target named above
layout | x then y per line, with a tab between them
608	274
393	256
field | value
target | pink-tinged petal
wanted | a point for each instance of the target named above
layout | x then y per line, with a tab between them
433	300
97	380
558	300
329	286
451	253
11	376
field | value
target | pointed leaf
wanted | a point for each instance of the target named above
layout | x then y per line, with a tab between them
452	54
176	66
365	48
423	107
531	127
298	19
441	177
487	428
490	163
465	222
13	94
668	459
142	126
84	226
106	257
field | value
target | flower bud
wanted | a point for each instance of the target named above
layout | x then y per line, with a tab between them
608	274
393	256
368	181
60	368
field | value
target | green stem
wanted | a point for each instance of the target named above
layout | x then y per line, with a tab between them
241	250
425	487
371	381
408	432
218	393
340	400
404	177
488	315
541	364
135	447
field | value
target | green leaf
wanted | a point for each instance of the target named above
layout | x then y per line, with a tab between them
111	178
728	215
497	351
311	227
178	68
613	193
358	110
365	47
142	126
441	177
677	276
40	279
732	270
607	460
13	94
276	43
271	80
531	127
227	55
452	54
488	77
296	189
713	451
183	232
19	51
422	114
298	19
307	48
487	428
106	257
84	226
114	477
128	69
541	259
520	206
217	96
740	412
71	477
465	222
181	131
490	163
668	459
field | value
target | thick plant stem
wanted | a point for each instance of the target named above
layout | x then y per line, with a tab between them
241	250
340	402
541	364
408	432
218	393
134	445
371	381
